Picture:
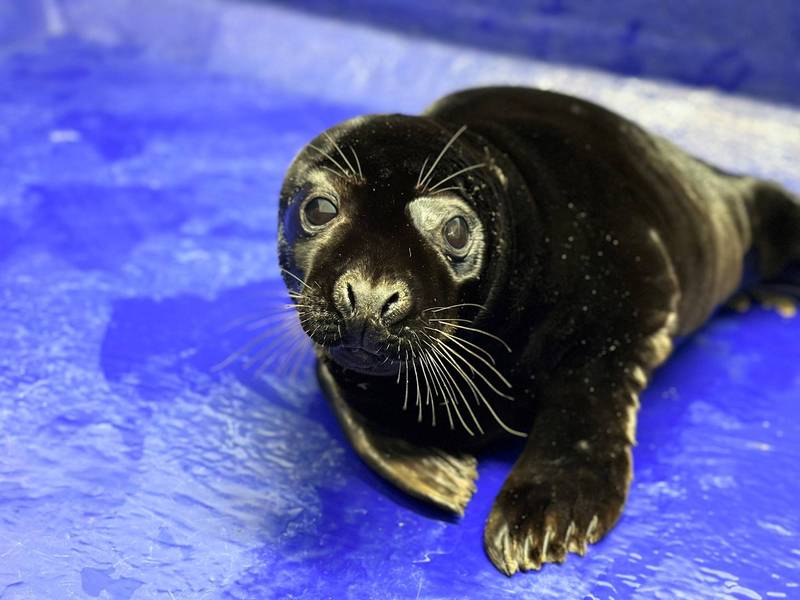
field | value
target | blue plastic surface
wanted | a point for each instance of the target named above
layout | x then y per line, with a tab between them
743	47
141	151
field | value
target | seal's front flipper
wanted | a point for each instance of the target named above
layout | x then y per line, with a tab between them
569	486
565	491
444	479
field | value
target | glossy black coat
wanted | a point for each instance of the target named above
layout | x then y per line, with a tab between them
604	242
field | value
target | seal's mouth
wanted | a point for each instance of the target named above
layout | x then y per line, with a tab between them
358	358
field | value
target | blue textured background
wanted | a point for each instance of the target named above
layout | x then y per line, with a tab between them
142	145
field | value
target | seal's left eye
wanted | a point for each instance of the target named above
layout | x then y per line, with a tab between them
456	233
320	211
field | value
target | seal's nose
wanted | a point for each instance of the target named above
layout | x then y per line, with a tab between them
385	301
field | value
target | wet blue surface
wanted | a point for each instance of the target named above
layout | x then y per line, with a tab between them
742	47
138	186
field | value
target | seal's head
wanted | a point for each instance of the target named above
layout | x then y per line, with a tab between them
385	230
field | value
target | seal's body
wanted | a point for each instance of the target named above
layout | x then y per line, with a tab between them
513	262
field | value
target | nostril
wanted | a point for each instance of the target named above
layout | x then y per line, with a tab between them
388	304
351	296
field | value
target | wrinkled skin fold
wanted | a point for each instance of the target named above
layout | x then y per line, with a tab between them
512	262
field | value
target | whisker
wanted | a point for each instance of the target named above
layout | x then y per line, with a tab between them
330	158
446	189
463	304
455	337
265	352
335	172
433	344
470	384
441	385
358	162
289	352
275	329
301	361
231	358
475	329
478	373
250	318
270	359
416	382
424	374
405	396
430	399
342	154
456	174
439	388
274	320
441	358
421	171
290	274
272	292
485	400
441	154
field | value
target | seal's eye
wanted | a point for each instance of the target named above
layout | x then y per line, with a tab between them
319	211
456	233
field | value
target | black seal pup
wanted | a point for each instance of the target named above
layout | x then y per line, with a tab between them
513	262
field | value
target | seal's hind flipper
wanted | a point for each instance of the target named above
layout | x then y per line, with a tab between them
783	304
782	298
431	474
775	218
775	222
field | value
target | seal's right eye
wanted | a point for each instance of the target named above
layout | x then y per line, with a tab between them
456	233
319	211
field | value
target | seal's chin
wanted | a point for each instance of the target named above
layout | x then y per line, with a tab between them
363	361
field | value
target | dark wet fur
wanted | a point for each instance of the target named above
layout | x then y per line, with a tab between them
601	250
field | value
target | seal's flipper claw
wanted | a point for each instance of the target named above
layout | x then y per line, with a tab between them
540	517
431	474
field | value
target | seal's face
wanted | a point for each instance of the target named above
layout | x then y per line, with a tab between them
381	239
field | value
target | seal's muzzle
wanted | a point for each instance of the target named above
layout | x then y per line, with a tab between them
368	307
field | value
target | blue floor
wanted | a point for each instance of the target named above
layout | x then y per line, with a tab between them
138	184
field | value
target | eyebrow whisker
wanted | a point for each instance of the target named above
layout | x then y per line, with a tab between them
358	162
342	154
427	177
446	189
334	171
330	158
456	174
421	171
